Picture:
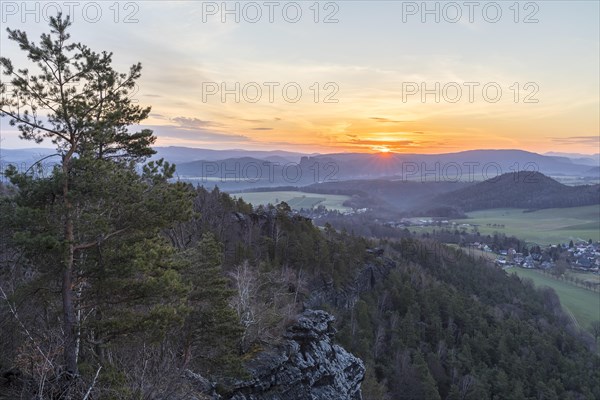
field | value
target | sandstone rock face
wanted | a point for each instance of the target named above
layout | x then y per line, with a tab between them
306	366
346	297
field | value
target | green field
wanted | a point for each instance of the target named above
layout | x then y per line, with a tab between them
575	180
475	253
594	279
296	200
549	226
583	304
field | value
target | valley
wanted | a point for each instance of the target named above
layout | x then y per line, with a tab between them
543	227
296	200
584	304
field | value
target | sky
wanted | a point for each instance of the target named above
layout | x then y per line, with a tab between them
347	76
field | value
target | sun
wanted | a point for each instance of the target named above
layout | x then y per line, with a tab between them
382	149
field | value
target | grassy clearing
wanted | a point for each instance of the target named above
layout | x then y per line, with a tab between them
475	253
549	226
296	200
594	279
583	304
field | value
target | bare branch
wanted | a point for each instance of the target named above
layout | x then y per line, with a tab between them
36	126
89	391
97	242
13	311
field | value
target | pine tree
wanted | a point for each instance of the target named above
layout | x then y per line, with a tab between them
212	329
93	225
454	393
428	385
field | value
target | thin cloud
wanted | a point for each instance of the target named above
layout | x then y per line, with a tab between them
396	145
386	120
591	140
199	135
158	116
363	142
194	123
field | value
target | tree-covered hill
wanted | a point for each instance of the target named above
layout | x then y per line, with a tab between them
445	326
530	190
432	319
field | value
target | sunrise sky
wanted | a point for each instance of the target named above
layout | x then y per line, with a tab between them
374	61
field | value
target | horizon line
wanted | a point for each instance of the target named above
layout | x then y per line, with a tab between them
548	154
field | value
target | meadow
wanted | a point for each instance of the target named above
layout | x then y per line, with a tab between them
594	279
548	226
583	304
296	200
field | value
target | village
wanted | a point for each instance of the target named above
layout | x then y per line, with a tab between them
582	256
579	255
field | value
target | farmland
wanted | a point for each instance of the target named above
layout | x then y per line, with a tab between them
548	226
296	200
583	304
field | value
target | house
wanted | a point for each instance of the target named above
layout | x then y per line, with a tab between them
536	256
547	265
528	262
584	262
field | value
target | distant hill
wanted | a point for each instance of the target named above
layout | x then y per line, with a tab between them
27	156
474	165
239	173
179	155
529	190
25	159
466	166
398	195
594	171
577	158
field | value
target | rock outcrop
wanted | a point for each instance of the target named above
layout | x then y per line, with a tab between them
347	296
306	366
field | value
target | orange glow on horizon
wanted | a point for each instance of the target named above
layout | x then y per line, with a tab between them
382	149
365	135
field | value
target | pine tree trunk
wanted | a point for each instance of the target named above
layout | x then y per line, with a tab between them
70	345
